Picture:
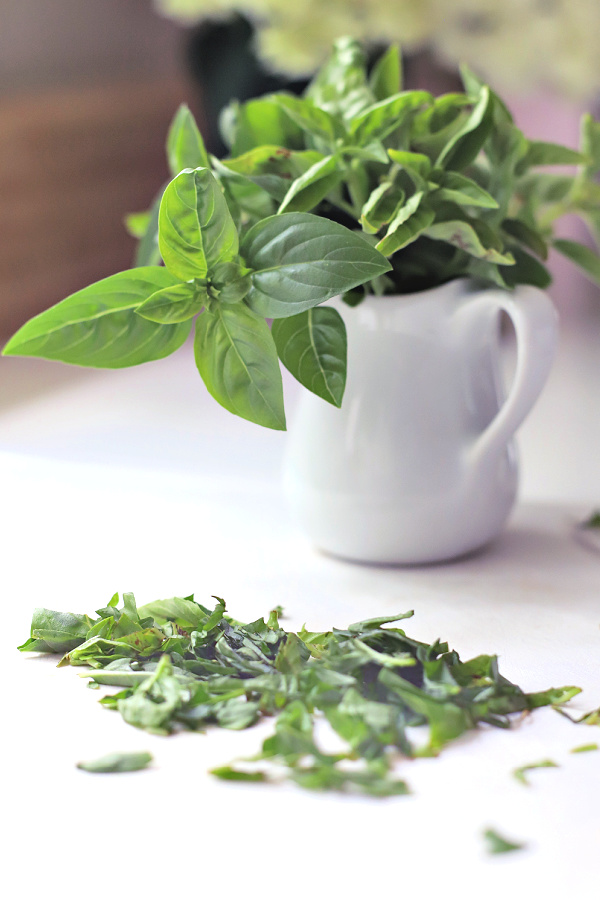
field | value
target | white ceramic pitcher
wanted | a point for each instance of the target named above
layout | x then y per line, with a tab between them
418	465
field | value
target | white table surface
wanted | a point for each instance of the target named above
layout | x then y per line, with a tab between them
136	480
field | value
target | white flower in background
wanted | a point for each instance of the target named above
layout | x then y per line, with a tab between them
516	44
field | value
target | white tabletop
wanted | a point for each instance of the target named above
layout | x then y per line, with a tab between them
137	481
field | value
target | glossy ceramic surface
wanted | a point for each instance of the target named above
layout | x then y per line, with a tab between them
419	465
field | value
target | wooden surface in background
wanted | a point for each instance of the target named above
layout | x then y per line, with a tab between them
72	164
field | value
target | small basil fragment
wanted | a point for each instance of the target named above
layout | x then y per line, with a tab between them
496	843
117	762
521	772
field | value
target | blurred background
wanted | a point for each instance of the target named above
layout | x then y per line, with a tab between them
87	91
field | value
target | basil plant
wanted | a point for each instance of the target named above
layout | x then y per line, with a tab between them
356	187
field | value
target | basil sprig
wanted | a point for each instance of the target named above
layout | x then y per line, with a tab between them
356	187
182	665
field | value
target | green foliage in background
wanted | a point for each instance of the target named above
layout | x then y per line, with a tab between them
357	187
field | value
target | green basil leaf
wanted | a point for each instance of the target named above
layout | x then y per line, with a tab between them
300	260
381	207
468	237
498	844
154	701
247	201
313	347
56	632
582	256
309	118
99	327
182	610
374	151
117	762
237	360
174	304
432	128
590	146
410	221
196	229
540	188
464	146
416	162
520	773
459	189
526	269
526	235
147	252
379	120
262	121
307	191
386	77
340	86
275	160
227	773
541	153
185	147
137	224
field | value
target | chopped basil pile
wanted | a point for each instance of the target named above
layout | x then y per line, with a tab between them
182	665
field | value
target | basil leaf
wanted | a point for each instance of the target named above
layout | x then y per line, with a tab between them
117	762
185	147
582	256
520	773
585	748
237	360
300	260
247	201
227	773
410	221
56	632
312	346
137	224
527	235
379	120
526	269
590	146
468	236
386	77
307	191
154	701
173	304
460	189
182	610
340	86
542	153
498	844
309	118
147	252
196	229
98	326
381	206
262	121
417	162
464	146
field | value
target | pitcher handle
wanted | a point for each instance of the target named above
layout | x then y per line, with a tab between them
535	322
